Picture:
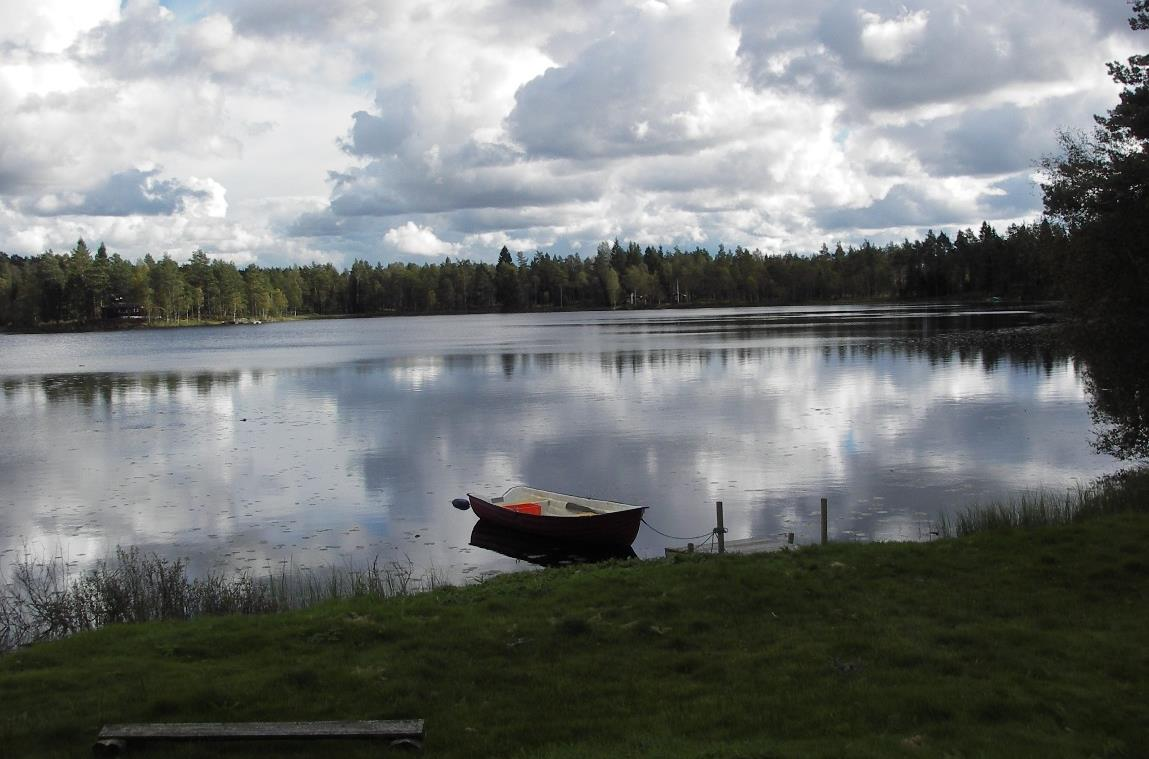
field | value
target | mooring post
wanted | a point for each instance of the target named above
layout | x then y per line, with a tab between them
825	520
720	531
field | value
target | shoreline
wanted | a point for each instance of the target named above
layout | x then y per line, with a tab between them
155	580
132	325
997	643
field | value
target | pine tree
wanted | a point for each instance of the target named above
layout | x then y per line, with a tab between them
1099	186
507	282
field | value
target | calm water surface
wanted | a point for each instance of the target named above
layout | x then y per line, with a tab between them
331	443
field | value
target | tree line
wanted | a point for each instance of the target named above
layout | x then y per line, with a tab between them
81	288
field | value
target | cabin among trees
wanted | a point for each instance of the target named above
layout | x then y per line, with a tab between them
124	311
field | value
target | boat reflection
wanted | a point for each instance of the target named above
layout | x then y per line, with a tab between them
545	552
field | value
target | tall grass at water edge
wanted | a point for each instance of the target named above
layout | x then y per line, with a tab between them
44	600
1124	491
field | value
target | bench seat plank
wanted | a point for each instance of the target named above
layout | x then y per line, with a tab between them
228	731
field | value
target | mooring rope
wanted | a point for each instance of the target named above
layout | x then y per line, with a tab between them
675	537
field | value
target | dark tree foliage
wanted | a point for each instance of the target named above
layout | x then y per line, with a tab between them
1098	185
77	289
508	284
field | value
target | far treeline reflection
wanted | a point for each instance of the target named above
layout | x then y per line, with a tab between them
81	288
1034	346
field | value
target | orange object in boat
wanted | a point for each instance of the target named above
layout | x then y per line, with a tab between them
534	509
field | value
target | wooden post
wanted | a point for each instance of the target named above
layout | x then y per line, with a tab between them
825	520
720	531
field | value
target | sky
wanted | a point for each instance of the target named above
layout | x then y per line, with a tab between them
283	132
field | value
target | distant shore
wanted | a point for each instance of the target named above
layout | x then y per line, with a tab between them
118	325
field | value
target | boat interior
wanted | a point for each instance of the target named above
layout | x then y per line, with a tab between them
556	504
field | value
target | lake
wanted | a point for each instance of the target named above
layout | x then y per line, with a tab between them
333	443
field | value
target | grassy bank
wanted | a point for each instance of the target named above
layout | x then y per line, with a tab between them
42	599
1118	493
1003	642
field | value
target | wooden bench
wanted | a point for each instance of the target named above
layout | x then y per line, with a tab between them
113	739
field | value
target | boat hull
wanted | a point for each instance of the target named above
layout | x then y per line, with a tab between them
618	528
545	552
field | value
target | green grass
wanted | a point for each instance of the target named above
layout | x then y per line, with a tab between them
1019	642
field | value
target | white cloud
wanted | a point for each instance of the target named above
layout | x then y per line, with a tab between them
205	198
419	241
50	26
890	40
351	129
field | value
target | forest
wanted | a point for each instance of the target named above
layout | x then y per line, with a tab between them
81	289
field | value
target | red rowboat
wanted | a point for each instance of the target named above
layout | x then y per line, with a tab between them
555	515
546	552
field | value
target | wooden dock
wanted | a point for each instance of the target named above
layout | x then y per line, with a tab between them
745	545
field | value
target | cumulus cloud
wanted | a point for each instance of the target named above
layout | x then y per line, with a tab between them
135	235
383	134
890	40
138	192
50	26
147	40
419	241
939	53
1017	196
994	140
396	186
625	95
906	205
354	129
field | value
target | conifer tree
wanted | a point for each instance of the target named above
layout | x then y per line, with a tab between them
1099	187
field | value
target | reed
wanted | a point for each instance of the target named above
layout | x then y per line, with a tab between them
43	599
1124	491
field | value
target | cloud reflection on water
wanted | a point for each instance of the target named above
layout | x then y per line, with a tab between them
320	465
